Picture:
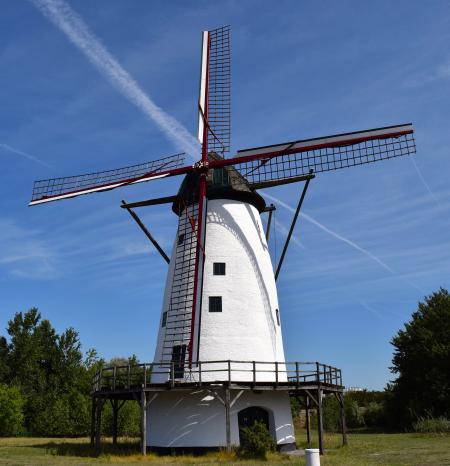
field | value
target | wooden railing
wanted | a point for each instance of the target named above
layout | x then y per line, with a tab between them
134	376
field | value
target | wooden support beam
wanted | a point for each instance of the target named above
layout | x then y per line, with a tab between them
269	220
93	420
340	398
146	232
143	406
271	183
98	423
320	420
115	408
269	208
316	402
157	201
227	419
308	420
236	398
294	220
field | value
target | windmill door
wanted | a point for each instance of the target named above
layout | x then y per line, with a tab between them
178	357
248	416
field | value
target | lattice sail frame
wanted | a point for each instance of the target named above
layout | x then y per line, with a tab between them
261	166
264	165
71	186
219	91
215	90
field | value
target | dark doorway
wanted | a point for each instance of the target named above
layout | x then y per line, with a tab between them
248	416
178	357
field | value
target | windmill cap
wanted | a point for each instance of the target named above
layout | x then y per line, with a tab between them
222	183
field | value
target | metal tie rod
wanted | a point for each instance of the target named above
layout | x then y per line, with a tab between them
294	220
147	233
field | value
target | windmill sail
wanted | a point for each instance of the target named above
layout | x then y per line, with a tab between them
215	90
71	186
202	100
271	165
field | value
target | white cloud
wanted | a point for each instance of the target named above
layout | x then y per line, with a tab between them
442	71
24	253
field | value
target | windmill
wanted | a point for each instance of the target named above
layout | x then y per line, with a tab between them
220	301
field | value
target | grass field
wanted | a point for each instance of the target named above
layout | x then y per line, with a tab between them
363	449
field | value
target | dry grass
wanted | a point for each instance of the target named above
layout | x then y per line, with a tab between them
363	450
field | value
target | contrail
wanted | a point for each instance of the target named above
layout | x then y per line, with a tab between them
24	154
72	25
371	309
284	230
427	187
332	233
343	239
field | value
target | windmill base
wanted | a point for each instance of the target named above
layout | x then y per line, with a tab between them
199	420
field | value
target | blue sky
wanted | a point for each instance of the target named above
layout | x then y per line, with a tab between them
300	69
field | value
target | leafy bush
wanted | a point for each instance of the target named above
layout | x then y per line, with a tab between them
437	425
331	414
11	411
375	414
296	407
353	414
256	442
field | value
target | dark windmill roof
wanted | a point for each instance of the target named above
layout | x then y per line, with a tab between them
222	183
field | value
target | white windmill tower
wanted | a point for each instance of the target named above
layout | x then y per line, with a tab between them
220	322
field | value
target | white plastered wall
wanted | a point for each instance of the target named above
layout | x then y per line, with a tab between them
197	418
247	328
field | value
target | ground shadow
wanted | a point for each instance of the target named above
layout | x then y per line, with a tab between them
84	449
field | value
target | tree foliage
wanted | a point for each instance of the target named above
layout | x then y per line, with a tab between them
46	379
11	411
422	362
45	382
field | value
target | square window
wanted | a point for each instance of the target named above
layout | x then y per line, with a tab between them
219	268
215	304
164	319
180	239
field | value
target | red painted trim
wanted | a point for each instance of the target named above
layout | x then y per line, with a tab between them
232	161
270	155
201	198
125	182
336	135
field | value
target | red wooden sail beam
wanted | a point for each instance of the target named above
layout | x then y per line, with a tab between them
294	159
328	141
62	188
199	252
258	165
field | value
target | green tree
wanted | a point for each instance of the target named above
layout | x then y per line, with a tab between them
4	363
50	372
11	411
54	379
422	362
